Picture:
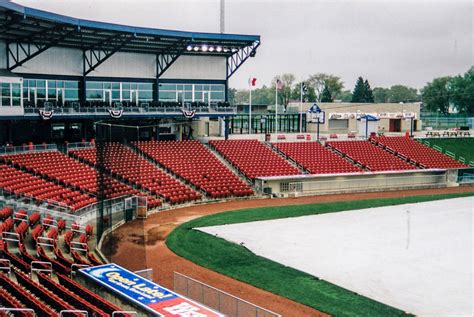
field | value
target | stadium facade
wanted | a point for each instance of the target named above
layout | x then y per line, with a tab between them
59	75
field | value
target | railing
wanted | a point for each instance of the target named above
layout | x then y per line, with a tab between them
440	123
79	145
221	301
466	179
7	150
24	311
29	200
446	152
146	273
132	110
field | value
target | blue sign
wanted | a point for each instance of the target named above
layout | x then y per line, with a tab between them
144	292
314	108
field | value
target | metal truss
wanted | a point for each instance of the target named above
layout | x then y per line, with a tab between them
238	58
165	59
93	57
25	49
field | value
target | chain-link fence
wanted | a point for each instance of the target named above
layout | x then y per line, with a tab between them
219	300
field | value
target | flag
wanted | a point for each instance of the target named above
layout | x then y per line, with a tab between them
304	88
279	84
252	82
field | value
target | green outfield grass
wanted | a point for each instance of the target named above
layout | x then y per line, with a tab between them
461	147
239	263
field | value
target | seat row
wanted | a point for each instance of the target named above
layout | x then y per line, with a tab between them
125	164
316	158
20	183
57	167
47	296
194	163
369	156
253	158
420	154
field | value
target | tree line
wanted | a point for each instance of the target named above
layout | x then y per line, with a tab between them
440	95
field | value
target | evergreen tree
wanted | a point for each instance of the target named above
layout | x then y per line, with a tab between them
369	96
359	91
326	95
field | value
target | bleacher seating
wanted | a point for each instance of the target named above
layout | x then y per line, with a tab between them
370	156
253	158
418	153
21	183
57	167
193	162
127	165
316	158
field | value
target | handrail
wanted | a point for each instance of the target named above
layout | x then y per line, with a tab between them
41	268
75	267
5	265
25	310
40	241
227	294
124	312
14	234
76	311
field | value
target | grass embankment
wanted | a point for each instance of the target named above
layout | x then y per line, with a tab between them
463	147
239	263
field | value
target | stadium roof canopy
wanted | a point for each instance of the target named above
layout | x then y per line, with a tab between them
34	31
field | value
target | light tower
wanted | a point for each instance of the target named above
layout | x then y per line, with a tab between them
222	17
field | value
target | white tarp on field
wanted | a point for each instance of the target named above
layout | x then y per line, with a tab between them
416	257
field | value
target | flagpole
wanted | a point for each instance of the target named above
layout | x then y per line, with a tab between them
250	111
301	107
276	107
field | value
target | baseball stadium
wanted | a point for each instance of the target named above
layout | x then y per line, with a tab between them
131	185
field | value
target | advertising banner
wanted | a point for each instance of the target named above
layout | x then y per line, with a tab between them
145	293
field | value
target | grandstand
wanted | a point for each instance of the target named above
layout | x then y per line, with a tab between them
99	126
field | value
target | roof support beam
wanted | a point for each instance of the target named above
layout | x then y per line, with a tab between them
92	58
238	58
21	52
9	23
166	58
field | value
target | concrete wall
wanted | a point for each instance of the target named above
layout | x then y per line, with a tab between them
66	61
348	183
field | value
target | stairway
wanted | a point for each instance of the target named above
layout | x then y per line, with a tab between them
229	166
288	159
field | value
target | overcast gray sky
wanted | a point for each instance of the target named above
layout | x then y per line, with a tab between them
387	42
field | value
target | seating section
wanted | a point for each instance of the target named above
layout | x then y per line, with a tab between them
253	158
316	158
25	184
370	156
194	163
127	165
416	152
57	167
47	294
